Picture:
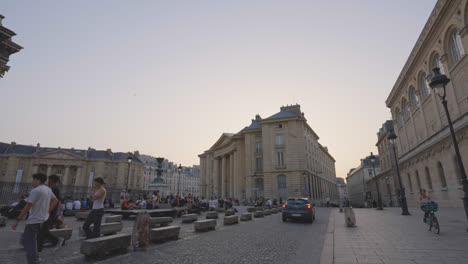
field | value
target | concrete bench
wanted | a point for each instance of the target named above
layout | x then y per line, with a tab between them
81	215
106	229
246	217
258	214
220	209
280	209
69	212
65	233
212	215
229	212
104	245
251	209
162	234
231	220
188	218
132	217
2	221
205	225
267	212
159	221
113	219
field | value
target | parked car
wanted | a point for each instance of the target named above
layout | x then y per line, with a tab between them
298	208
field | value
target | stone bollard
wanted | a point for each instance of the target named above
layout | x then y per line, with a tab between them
350	219
231	220
205	225
246	217
2	221
274	210
189	218
162	234
251	209
229	212
258	214
113	219
211	215
267	212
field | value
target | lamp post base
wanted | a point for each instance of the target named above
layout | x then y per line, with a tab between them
405	213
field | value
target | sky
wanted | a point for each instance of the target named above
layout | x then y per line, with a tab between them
167	78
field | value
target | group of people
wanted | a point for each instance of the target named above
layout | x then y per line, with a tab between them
45	208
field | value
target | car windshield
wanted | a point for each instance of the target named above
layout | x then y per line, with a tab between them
297	202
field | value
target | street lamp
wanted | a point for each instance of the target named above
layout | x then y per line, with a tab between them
404	206
438	84
379	199
129	161
179	170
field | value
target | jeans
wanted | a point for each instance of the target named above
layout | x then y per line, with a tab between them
30	242
44	233
93	218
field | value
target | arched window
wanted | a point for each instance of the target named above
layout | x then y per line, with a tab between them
436	63
456	46
424	87
399	119
414	98
418	181
410	183
443	181
428	179
406	110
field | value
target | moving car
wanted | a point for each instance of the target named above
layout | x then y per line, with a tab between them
298	208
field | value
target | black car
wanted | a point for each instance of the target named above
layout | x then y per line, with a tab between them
298	208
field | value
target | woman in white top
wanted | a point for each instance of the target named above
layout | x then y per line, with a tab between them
95	216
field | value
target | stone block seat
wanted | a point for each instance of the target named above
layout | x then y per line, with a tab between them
205	225
189	218
101	246
211	215
231	220
2	221
229	212
162	234
220	209
82	215
267	212
65	233
258	214
106	228
246	217
113	219
251	209
159	221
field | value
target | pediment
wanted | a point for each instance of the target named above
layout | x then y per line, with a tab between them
59	154
224	140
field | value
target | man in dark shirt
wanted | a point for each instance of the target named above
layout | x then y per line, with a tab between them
44	234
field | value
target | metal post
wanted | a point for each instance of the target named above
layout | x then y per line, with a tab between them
404	205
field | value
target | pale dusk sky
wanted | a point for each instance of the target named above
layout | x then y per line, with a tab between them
167	78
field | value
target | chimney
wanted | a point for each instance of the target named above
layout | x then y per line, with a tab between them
109	151
136	153
38	146
13	144
257	117
296	109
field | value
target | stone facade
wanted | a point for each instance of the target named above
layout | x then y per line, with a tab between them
7	47
76	168
342	189
426	154
356	180
276	157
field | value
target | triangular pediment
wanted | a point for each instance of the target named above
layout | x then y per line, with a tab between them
59	154
225	139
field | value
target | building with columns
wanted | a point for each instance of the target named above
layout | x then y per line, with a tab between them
356	182
274	157
7	47
76	169
425	151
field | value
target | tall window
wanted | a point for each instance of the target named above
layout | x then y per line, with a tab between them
406	110
410	183
415	98
418	181
259	164
399	118
428	179
258	147
279	140
424	87
280	158
456	46
443	181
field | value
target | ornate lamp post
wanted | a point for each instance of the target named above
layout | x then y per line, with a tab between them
438	84
379	199
179	170
129	161
404	206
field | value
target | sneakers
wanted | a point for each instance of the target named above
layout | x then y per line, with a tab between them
59	243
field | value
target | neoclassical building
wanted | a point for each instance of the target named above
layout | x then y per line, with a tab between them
7	47
274	157
75	167
425	151
358	189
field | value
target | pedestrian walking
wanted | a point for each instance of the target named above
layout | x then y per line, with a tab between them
39	204
44	234
95	216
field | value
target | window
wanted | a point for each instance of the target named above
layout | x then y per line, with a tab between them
279	126
418	181
280	159
258	135
456	46
410	183
279	140
370	173
424	87
443	181
399	118
406	109
415	98
258	147
259	164
428	179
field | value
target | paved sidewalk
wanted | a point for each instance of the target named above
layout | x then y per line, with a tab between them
388	237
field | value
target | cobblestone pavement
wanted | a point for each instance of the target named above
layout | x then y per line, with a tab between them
388	237
262	240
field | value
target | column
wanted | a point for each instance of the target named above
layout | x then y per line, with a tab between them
49	170
35	169
65	176
231	176
215	183
223	176
77	176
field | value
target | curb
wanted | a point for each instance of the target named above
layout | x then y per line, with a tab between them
326	257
